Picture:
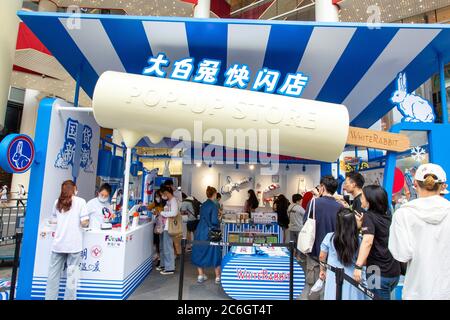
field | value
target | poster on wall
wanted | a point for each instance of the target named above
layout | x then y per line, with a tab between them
71	154
373	176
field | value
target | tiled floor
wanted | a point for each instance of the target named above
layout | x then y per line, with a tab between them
158	287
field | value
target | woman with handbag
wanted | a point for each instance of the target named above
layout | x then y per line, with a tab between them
205	256
166	248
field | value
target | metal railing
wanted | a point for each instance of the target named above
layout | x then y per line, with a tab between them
340	274
11	222
17	238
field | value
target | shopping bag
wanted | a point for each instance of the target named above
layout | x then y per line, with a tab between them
307	235
175	225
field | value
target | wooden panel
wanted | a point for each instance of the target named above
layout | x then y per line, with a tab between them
443	14
377	139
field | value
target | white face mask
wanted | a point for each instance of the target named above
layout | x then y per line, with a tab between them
158	200
164	197
102	199
76	192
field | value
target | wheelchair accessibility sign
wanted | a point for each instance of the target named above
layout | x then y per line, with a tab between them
16	153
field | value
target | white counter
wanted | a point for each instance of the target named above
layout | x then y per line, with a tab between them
112	263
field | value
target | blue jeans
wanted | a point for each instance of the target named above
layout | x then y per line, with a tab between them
387	285
166	251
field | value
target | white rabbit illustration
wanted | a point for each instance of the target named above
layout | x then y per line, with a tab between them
20	160
412	107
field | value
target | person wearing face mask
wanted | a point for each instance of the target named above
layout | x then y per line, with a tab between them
374	252
99	208
324	209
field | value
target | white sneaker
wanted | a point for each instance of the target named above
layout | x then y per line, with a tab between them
202	278
218	280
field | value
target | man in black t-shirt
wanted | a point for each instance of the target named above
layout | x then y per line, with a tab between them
354	182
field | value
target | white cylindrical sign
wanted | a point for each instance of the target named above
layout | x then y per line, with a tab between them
156	107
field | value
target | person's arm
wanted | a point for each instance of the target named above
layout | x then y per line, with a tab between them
173	210
84	216
323	258
215	217
324	248
364	251
399	238
368	231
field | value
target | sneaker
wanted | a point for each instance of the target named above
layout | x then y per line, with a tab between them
218	280
158	263
167	272
159	268
202	278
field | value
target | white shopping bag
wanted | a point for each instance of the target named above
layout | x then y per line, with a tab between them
307	235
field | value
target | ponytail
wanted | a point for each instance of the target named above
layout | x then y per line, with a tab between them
430	183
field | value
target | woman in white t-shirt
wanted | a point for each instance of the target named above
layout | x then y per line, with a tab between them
70	215
99	208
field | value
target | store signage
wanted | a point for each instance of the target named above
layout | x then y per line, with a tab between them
264	274
377	139
76	150
236	76
17	153
113	241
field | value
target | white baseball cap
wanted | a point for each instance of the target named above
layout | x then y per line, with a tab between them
431	168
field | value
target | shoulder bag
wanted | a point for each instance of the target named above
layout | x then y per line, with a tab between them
307	235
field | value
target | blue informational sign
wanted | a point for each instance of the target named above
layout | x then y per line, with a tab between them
16	153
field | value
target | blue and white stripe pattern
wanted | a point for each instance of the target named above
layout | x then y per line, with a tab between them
247	227
4	295
90	289
247	277
346	63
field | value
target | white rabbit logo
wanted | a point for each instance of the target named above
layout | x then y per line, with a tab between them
19	159
412	107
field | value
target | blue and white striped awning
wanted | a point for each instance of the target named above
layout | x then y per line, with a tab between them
347	63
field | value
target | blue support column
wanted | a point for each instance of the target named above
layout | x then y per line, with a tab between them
443	90
389	174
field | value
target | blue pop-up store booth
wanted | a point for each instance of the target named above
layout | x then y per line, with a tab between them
356	65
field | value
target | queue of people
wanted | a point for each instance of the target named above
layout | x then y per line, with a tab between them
373	244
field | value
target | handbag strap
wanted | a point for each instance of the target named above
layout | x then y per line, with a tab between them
313	207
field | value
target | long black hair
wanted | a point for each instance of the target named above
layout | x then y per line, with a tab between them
377	198
345	237
253	200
